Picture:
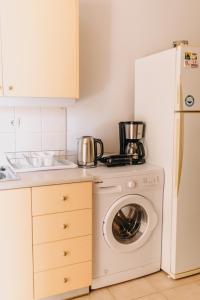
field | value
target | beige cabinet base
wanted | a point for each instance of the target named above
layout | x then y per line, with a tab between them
62	253
55	227
61	280
57	245
61	198
16	267
70	295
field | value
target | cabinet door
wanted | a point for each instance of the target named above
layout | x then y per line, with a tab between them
40	48
16	271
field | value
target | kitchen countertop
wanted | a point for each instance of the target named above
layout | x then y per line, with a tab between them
42	178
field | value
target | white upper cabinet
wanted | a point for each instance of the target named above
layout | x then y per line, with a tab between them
40	48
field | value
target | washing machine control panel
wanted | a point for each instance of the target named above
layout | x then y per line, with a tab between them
143	181
150	180
132	184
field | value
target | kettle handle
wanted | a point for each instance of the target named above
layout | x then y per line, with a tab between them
98	141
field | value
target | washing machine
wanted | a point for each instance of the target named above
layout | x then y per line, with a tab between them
127	223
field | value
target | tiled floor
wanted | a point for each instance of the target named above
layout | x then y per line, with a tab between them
153	287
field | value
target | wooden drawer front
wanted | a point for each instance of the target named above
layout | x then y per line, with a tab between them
62	253
62	280
60	198
62	226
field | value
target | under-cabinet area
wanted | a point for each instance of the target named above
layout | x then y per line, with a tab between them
46	240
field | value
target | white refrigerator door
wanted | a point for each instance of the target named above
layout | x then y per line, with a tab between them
186	206
188	79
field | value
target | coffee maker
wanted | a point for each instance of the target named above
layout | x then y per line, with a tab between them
131	134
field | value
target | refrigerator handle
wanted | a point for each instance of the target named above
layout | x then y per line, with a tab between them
179	149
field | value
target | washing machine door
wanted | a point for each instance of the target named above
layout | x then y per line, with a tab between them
129	223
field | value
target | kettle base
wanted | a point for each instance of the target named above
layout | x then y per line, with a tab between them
87	166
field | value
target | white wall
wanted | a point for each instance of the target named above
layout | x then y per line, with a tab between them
113	34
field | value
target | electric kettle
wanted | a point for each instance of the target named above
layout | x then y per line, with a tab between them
87	151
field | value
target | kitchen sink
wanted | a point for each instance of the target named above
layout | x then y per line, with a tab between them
7	174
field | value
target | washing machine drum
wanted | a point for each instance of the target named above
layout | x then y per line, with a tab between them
129	223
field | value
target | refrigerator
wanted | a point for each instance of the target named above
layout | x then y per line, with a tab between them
167	99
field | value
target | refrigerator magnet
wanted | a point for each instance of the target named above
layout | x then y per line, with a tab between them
189	100
191	60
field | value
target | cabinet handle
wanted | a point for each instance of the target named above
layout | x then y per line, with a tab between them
66	280
66	253
64	198
10	88
65	226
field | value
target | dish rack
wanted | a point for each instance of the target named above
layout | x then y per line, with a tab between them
30	161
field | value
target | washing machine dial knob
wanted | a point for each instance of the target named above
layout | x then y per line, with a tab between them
132	184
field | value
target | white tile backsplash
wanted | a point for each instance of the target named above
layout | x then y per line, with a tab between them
53	141
28	141
53	119
28	119
7	142
32	129
7	117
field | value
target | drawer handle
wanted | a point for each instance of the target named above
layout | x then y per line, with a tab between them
66	253
66	280
65	226
64	198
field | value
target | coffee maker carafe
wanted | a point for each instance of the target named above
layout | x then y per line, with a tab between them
131	134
